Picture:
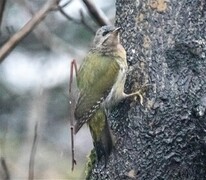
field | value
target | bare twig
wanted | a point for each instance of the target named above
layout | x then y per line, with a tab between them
64	5
96	13
73	67
28	27
82	21
33	153
5	168
2	7
71	109
2	158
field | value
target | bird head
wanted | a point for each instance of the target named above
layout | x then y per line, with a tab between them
106	37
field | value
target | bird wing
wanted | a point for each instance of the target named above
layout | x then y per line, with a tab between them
95	79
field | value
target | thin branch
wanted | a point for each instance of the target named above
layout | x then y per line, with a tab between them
33	153
73	67
66	4
82	21
67	16
71	110
96	13
2	158
5	168
2	7
28	27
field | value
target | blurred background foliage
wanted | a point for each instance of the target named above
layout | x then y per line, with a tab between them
34	88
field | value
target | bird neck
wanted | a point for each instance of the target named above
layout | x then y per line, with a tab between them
121	51
116	50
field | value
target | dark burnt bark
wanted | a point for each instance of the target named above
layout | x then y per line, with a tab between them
166	47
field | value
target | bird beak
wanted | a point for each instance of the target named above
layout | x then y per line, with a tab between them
113	36
116	30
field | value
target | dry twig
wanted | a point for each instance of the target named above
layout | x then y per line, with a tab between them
2	7
33	153
3	163
28	27
5	168
71	109
81	21
66	3
96	13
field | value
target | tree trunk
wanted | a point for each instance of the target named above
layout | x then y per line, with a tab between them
166	137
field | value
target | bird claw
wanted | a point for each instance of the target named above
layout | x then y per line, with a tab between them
138	93
135	94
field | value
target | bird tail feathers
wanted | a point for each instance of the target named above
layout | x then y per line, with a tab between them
101	134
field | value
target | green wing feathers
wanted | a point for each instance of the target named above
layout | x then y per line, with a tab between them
95	79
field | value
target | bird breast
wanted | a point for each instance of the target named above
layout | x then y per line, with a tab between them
116	93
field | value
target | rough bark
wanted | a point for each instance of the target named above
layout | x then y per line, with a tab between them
164	139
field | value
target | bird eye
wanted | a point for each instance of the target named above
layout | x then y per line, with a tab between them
105	33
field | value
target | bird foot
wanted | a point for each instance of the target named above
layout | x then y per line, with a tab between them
138	93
